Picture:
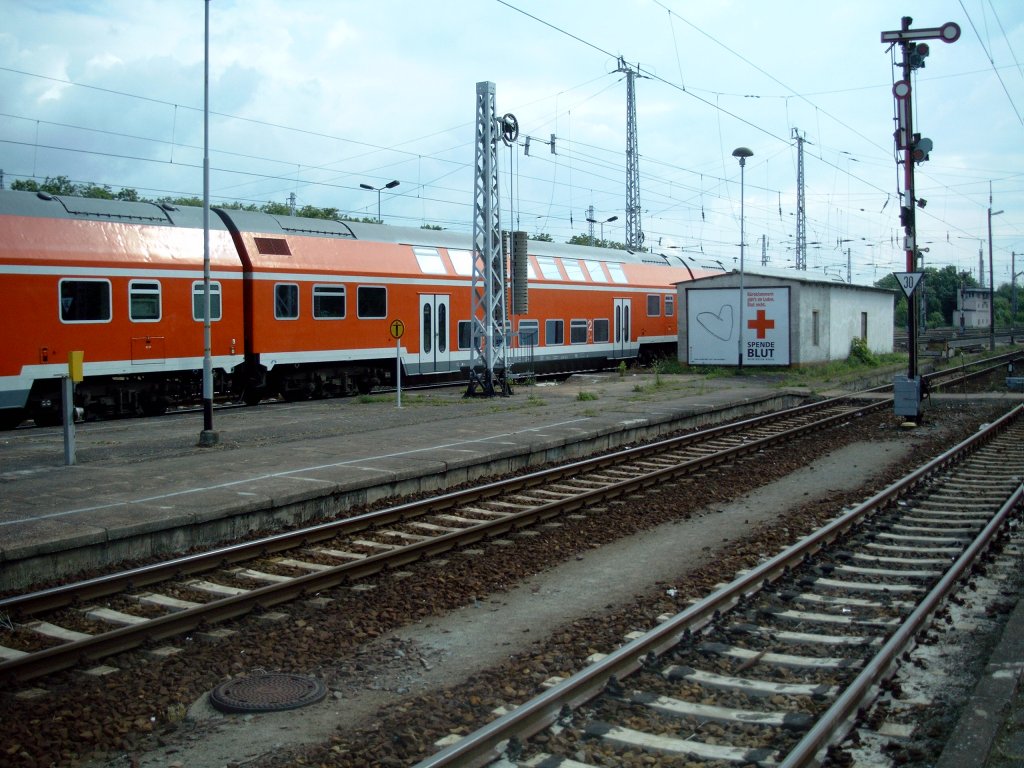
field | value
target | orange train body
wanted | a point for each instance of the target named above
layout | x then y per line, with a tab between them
300	307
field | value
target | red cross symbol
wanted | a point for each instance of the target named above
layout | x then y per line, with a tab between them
761	324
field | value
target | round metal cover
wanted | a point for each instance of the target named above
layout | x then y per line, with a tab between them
267	692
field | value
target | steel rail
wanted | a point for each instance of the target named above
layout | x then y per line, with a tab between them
484	745
837	720
103	586
66	655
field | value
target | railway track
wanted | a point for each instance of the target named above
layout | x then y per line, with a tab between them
54	629
773	667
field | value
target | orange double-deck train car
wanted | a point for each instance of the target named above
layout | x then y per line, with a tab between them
120	281
300	307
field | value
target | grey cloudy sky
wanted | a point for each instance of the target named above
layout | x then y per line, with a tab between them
314	97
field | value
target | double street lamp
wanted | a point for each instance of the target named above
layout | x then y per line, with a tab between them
378	190
609	220
742	153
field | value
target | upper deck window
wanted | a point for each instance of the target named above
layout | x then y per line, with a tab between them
548	268
573	270
615	270
429	260
462	261
596	273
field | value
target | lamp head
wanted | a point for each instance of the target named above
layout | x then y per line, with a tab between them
392	184
742	153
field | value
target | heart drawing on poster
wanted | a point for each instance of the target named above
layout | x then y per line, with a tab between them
718	325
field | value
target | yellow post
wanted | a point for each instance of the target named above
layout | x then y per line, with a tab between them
75	360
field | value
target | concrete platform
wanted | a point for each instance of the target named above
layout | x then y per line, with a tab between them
144	487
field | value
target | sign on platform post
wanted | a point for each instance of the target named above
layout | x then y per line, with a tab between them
397	331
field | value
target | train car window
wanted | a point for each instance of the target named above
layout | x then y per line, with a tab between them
573	270
554	332
462	261
286	301
670	305
465	334
442	328
615	271
197	301
601	326
596	273
429	260
371	302
328	302
548	268
85	301
529	333
653	305
577	331
143	301
427	324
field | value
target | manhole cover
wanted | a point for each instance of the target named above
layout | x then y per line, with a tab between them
268	692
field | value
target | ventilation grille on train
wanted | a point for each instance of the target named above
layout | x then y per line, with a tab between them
272	246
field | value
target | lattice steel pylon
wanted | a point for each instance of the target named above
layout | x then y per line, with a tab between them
801	211
634	231
487	365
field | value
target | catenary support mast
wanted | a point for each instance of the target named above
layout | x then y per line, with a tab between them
487	299
801	209
634	230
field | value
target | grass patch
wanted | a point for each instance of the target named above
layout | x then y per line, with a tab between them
584	395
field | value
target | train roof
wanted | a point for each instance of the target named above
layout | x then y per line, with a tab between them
45	205
253	221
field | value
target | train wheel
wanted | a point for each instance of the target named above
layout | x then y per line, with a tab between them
47	418
11	418
153	406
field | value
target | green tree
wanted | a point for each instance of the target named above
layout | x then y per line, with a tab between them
542	237
58	185
599	243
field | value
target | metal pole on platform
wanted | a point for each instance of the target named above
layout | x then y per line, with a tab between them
207	437
398	369
67	388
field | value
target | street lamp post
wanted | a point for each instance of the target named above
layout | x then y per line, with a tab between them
991	284
742	153
378	190
609	220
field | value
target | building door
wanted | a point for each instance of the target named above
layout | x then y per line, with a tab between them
435	333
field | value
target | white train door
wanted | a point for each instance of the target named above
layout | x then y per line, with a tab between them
435	333
621	328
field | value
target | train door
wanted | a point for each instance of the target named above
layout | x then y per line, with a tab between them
435	333
621	327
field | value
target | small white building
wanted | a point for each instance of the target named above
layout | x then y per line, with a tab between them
972	308
786	319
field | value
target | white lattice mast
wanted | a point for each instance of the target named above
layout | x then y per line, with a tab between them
801	212
487	301
634	231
